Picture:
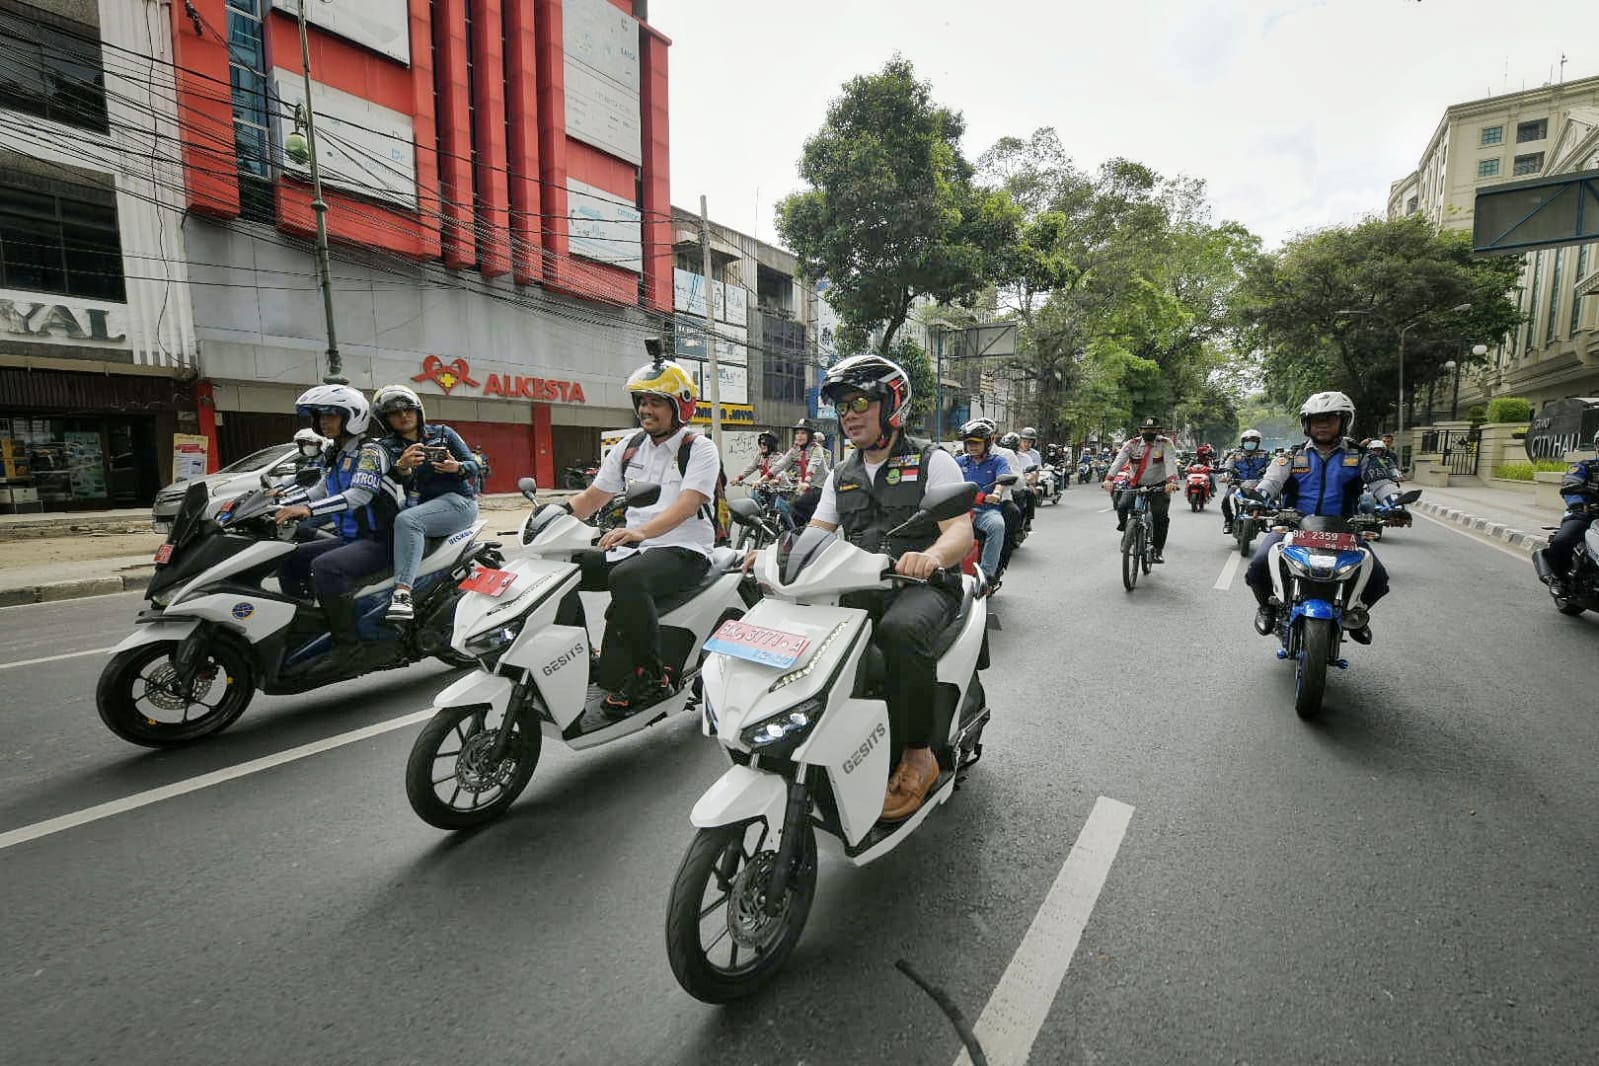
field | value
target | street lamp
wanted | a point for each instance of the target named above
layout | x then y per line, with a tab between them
1478	350
300	146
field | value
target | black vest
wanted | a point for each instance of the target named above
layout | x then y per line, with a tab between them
869	508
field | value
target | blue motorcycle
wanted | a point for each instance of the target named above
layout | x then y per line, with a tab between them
1318	571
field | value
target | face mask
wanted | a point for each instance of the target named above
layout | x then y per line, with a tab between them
1150	436
1250	445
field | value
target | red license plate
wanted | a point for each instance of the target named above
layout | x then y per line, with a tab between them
163	554
773	647
1319	538
489	582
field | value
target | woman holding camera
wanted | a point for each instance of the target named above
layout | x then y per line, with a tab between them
440	477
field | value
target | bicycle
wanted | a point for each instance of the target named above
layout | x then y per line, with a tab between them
1138	540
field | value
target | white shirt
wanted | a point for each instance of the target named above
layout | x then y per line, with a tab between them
1030	459
657	463
942	469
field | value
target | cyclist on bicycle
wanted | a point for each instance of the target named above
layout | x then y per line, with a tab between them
1153	459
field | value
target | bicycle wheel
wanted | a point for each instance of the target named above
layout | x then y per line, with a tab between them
1146	558
1132	551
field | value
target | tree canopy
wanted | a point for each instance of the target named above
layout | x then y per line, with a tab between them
891	213
1329	308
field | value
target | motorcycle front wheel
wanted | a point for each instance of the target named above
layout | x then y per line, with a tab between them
1315	648
720	940
448	778
140	700
1244	530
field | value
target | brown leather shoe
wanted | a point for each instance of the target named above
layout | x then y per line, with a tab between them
917	772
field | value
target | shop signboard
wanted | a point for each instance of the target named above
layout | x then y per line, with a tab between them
603	227
52	319
381	25
601	45
688	295
189	454
361	146
86	463
458	374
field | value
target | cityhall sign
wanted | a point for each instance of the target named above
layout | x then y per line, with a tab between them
458	373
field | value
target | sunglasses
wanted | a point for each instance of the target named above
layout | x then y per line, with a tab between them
858	404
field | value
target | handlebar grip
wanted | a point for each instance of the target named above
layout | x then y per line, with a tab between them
944	579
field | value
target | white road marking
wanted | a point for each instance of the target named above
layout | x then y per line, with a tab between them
1105	510
1020	1003
194	784
1225	582
76	599
1469	535
53	658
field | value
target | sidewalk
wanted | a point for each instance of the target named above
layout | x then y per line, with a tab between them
47	557
1502	515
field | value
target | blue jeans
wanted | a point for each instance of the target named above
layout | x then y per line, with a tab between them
438	517
989	525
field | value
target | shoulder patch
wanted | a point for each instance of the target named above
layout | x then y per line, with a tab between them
1576	468
1351	460
1282	460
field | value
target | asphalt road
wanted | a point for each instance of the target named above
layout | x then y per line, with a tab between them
1414	878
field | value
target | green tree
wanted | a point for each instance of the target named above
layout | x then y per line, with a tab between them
891	213
1328	310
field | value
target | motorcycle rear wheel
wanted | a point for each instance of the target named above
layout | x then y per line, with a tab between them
1315	648
144	675
723	866
468	728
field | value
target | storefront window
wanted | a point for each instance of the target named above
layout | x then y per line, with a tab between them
59	238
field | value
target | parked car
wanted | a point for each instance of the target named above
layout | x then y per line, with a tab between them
225	484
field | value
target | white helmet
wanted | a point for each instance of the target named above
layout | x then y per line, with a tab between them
392	398
1377	446
310	442
1328	403
336	399
879	379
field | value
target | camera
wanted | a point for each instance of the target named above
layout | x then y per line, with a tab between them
436	454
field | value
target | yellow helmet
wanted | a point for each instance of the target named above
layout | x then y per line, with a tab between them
670	382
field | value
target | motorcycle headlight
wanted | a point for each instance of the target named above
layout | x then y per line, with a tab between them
782	732
804	671
1347	569
492	641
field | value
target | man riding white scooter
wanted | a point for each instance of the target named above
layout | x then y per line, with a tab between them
878	487
665	546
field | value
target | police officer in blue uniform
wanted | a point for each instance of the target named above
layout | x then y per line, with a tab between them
1580	489
1244	467
1324	476
360	501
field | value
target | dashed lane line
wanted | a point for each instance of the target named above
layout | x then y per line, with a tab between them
1228	571
53	658
194	784
1021	1001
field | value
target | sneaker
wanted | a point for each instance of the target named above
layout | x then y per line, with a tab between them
400	607
640	692
1121	525
1159	557
1266	620
1227	529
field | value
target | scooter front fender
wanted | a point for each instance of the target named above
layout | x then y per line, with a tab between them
1317	609
474	688
175	629
742	794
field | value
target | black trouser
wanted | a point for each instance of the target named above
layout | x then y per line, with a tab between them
1013	525
1027	499
1564	541
1227	507
332	567
1258	576
635	583
908	622
1159	509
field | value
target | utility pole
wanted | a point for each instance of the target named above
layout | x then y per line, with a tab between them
335	375
938	374
713	372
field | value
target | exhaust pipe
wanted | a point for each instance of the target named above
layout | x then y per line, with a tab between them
1540	563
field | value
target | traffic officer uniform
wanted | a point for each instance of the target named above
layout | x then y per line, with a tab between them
1580	489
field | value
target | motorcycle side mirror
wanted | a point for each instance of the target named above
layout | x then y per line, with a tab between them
528	487
307	477
1007	479
1410	497
642	495
951	501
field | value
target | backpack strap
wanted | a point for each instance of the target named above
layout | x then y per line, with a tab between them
684	450
633	444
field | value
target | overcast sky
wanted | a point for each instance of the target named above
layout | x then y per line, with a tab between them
1297	113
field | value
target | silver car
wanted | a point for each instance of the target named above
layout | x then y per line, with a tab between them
232	480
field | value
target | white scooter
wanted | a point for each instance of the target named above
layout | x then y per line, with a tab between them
795	697
536	675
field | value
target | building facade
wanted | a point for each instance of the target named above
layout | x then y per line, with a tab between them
1550	130
97	342
496	180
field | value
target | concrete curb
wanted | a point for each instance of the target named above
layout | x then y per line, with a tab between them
130	581
1518	539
